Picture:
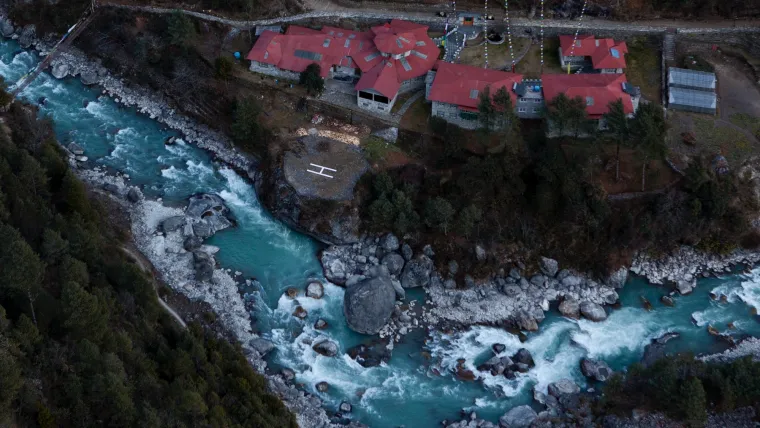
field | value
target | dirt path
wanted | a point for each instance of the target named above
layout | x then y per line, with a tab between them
145	266
325	8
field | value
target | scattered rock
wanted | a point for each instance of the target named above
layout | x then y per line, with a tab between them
646	303
514	273
523	356
685	287
498	348
417	272
667	301
291	292
593	311
322	386
512	290
192	243
538	280
390	242
463	373
562	387
345	407
480	253
27	36
6	27
300	312
75	148
261	345
320	324
288	374
368	304
394	262
595	369
526	322
549	266
428	251
453	267
370	355
406	251
570	308
203	264
173	223
111	188
618	278
88	77
450	284
400	292
133	195
326	347
519	417
315	290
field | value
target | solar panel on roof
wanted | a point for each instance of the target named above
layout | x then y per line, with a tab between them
352	36
347	44
474	94
420	43
398	42
313	56
589	101
266	55
693	98
419	54
371	56
404	39
691	78
615	53
405	64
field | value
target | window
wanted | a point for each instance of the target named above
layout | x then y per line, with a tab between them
365	95
326	43
371	56
352	36
382	99
615	53
589	101
314	56
522	109
536	109
420	43
474	94
468	115
347	44
405	64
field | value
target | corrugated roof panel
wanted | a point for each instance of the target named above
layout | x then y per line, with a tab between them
691	78
405	64
691	97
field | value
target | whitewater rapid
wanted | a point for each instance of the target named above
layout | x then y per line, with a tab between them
417	387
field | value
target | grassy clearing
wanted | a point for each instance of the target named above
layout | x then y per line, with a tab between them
401	100
746	121
498	55
530	65
416	118
720	138
377	150
643	69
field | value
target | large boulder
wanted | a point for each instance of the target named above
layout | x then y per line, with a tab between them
6	27
595	369
526	321
27	36
315	290
370	355
523	356
133	195
519	417
685	287
203	265
261	345
75	148
390	242
394	262
570	308
593	311
549	266
88	77
369	303
326	347
192	243
60	70
563	387
173	223
618	278
417	272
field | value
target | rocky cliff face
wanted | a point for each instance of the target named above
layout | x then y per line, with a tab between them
331	222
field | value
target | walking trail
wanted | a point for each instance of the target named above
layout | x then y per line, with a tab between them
146	267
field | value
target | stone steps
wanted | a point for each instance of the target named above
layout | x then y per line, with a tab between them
669	47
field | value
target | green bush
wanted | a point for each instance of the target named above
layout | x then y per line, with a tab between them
312	80
224	67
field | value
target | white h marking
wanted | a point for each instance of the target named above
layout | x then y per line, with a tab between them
321	170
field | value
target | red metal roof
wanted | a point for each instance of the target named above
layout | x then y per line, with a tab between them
600	50
353	49
462	84
597	90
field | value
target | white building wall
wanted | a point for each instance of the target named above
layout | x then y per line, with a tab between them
412	84
375	106
271	70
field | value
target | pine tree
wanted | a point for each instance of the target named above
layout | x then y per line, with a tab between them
505	109
312	80
181	28
648	129
469	216
438	214
692	402
486	110
618	124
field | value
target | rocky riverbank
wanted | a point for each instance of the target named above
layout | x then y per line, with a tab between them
172	238
510	299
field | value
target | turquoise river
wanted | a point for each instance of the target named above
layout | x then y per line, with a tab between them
407	391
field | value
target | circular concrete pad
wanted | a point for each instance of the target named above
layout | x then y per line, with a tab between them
318	167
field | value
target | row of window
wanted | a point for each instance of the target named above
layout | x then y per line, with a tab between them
531	100
525	110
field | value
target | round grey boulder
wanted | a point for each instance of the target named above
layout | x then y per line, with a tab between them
519	417
369	303
345	407
322	386
326	347
261	345
315	290
570	308
173	223
595	369
563	387
549	266
593	311
417	272
390	242
394	262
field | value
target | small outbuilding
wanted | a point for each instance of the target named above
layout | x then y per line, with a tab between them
691	90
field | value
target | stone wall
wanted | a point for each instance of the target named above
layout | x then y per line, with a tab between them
450	113
375	106
271	70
